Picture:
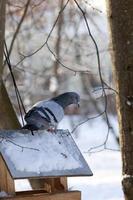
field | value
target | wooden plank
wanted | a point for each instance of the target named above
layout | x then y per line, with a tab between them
58	184
30	192
50	184
74	195
63	181
6	181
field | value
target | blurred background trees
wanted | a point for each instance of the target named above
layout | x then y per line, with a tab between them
51	52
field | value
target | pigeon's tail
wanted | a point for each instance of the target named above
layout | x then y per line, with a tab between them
30	127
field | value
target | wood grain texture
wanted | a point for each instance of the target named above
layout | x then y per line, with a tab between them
6	181
50	184
75	195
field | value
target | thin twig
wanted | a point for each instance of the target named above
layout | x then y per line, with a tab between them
58	60
86	120
18	145
100	76
46	41
19	26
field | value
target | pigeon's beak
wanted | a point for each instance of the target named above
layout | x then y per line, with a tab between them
78	105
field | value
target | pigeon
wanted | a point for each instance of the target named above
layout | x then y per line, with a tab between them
46	114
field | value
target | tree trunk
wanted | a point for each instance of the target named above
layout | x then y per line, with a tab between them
121	22
8	119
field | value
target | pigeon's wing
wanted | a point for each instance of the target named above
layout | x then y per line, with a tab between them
45	114
37	118
54	110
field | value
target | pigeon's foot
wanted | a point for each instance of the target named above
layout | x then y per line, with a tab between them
52	130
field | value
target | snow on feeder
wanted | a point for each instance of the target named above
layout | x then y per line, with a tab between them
46	159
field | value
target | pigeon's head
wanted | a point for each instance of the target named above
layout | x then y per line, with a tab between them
67	99
74	98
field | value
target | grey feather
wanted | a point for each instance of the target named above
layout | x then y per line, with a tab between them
47	114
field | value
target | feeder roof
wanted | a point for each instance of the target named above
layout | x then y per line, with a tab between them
43	154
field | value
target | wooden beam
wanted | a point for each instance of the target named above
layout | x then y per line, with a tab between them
50	184
74	195
57	184
6	181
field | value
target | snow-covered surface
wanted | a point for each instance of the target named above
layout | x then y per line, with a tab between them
106	181
51	154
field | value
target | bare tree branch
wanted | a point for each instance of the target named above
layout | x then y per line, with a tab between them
19	26
37	50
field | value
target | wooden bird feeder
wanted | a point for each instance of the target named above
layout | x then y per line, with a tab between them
45	159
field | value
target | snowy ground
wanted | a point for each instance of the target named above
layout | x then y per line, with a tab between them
105	183
106	165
